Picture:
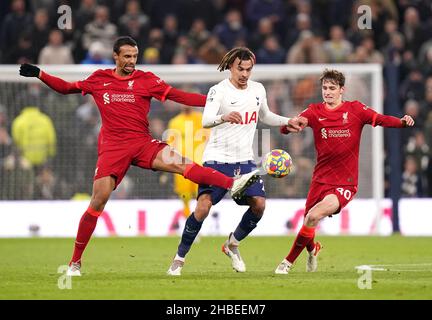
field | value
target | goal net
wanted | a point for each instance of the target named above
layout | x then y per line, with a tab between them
290	88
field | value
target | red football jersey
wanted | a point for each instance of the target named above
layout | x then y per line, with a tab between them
337	135
124	102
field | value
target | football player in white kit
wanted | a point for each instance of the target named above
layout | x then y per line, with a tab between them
232	110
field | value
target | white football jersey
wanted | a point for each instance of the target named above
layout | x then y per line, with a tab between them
233	142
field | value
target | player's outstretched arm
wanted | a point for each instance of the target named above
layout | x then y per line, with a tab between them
187	98
392	122
57	84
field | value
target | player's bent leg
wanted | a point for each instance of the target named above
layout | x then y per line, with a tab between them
191	229
326	207
102	189
169	160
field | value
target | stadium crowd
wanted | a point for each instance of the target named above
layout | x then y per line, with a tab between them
194	32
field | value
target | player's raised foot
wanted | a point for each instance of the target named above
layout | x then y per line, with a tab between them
312	259
284	267
233	253
243	182
175	268
74	269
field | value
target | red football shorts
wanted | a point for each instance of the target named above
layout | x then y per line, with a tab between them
115	160
318	191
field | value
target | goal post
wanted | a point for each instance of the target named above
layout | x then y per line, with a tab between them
289	89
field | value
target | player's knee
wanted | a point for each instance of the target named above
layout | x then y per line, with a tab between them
312	218
258	208
202	209
98	201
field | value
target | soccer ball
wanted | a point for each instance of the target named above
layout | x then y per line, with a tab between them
277	163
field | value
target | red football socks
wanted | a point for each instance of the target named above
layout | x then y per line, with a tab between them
85	230
305	236
204	175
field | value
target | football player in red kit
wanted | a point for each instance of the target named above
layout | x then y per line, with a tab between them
337	127
123	96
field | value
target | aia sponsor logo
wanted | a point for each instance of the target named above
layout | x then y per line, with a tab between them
249	118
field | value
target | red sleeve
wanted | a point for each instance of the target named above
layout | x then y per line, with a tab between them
189	99
370	116
58	84
387	121
88	85
157	87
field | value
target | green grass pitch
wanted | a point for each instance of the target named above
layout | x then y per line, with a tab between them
134	268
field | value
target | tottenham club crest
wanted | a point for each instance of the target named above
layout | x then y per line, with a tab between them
237	172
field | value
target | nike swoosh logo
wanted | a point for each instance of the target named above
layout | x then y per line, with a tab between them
321	119
234	102
107	84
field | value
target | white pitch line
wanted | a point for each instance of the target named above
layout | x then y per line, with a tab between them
380	267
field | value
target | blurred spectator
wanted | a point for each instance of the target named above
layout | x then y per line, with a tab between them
55	52
271	51
40	30
155	39
264	29
13	25
412	108
48	186
100	29
34	134
189	10
231	29
412	88
85	13
271	9
412	30
17	178
96	54
5	139
134	22
337	48
151	56
303	23
212	51
23	51
411	182
198	33
390	27
419	149
307	49
170	35
366	53
394	51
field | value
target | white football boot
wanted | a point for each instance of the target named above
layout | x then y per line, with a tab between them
175	268
232	251
312	259
74	270
284	267
243	182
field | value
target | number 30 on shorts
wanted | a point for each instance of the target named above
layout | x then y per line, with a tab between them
347	194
